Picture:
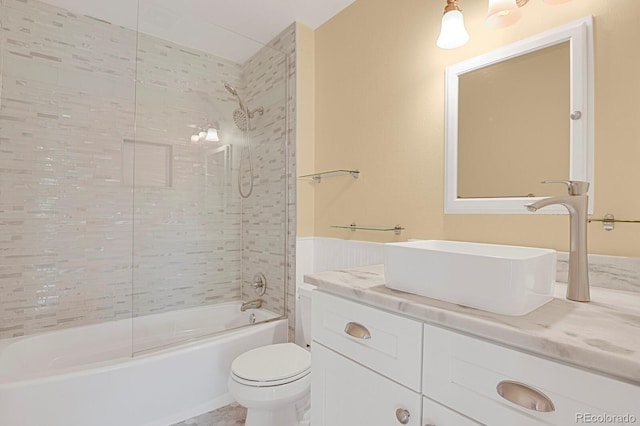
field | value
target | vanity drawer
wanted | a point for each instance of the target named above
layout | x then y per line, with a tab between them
464	373
386	343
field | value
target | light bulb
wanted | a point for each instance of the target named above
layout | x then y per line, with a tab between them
452	32
212	135
502	13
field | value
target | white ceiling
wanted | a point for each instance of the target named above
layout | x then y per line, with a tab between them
232	29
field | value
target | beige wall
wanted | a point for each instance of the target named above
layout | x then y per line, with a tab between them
379	107
306	127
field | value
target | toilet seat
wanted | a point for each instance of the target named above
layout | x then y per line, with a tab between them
271	365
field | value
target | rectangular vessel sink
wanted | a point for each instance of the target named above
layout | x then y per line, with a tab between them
508	280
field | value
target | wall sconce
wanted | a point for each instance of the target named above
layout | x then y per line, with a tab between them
452	32
210	135
501	14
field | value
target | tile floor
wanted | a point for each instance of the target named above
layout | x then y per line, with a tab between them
230	415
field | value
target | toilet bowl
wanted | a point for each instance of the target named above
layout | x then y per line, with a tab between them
273	382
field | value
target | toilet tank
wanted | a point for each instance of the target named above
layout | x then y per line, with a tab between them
303	310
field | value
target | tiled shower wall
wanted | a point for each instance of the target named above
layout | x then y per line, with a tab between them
65	216
66	211
268	75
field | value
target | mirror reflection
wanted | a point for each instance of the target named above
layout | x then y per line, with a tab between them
514	125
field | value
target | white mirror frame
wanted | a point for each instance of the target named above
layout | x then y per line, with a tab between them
580	36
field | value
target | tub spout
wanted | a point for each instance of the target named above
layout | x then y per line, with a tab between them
576	202
253	304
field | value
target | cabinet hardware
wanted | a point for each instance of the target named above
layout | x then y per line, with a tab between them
358	331
403	416
524	396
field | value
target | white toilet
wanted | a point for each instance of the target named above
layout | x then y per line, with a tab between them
273	382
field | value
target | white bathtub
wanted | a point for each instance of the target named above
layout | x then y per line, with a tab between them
86	375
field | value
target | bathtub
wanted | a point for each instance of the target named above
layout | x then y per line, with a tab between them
86	376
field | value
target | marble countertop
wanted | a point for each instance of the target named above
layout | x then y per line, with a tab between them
602	335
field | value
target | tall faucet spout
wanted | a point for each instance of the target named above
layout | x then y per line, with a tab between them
578	283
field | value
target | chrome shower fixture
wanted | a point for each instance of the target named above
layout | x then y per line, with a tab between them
234	92
242	119
242	115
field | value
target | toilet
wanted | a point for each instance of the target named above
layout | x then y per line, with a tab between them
273	382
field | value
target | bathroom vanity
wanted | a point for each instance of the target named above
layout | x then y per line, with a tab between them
383	357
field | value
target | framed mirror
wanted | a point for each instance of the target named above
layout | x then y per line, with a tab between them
517	116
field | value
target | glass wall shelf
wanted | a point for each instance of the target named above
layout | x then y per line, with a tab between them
609	221
396	229
317	177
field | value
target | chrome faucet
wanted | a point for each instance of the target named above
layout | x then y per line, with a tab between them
255	304
576	202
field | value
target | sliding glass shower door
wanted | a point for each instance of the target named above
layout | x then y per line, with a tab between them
207	161
143	172
67	103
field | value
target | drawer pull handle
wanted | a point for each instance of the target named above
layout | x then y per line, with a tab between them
525	396
356	330
403	416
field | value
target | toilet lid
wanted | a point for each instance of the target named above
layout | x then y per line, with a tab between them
272	363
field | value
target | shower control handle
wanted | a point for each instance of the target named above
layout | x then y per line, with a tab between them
259	284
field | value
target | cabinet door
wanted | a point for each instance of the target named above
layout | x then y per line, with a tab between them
344	393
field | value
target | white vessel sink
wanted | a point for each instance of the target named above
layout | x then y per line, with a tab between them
508	280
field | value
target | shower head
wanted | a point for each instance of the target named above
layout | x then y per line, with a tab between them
231	89
241	119
234	92
242	116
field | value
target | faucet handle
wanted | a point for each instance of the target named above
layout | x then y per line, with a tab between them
575	187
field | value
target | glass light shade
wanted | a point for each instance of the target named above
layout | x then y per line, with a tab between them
212	135
502	13
452	32
195	138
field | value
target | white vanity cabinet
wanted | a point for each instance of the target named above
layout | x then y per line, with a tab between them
371	367
366	365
